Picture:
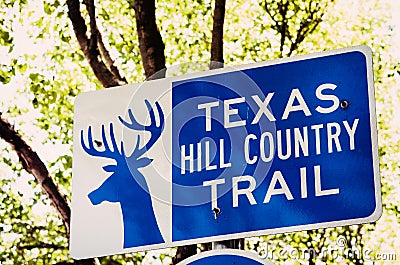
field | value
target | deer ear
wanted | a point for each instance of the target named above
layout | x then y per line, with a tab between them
110	168
143	162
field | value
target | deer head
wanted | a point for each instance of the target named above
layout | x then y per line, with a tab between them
125	177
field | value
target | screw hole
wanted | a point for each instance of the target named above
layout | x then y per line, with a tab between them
217	212
344	104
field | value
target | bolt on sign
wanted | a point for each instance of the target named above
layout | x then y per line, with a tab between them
271	147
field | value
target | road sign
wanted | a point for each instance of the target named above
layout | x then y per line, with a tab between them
226	257
270	147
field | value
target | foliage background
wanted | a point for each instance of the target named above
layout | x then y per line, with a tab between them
42	69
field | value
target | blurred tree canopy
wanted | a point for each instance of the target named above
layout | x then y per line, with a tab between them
52	50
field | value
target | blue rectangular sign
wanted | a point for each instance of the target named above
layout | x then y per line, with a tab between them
275	148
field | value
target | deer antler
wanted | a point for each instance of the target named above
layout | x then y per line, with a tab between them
154	130
107	153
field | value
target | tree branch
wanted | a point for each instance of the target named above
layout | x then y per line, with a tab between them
79	262
41	245
108	60
113	262
307	25
217	51
293	33
32	164
89	46
151	44
93	27
283	28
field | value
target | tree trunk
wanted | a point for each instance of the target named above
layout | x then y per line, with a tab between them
217	44
90	47
34	165
151	44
